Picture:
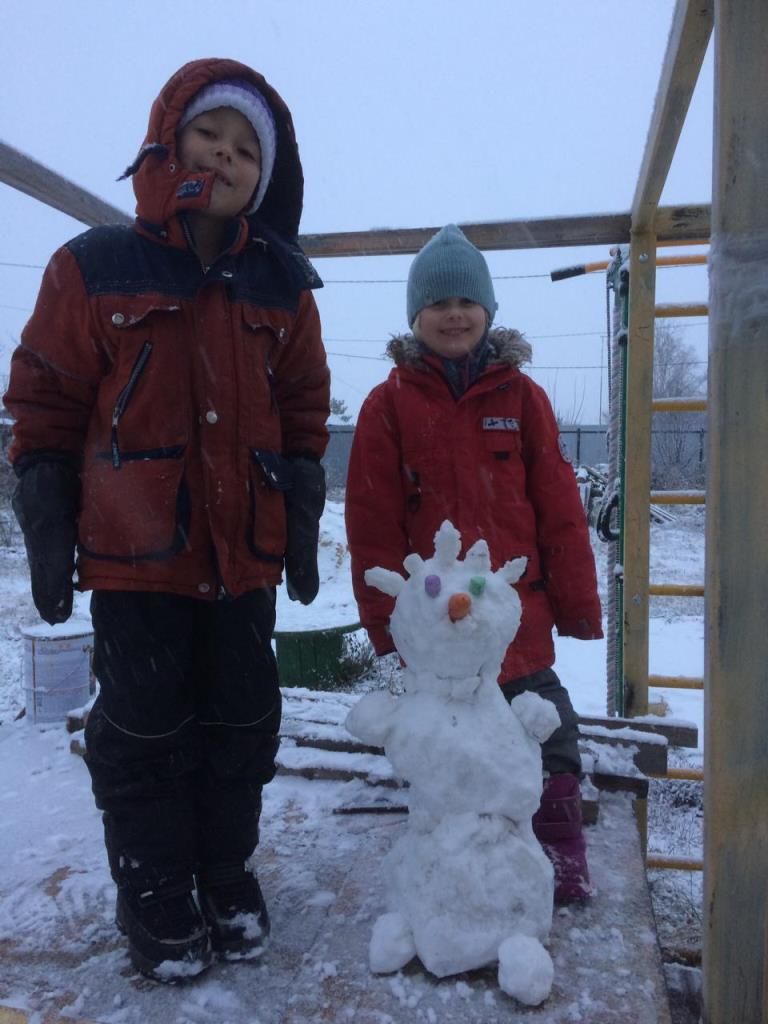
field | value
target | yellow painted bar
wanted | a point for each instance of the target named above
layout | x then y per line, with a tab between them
678	497
10	1015
674	863
679	405
691	260
673	243
689	774
676	590
681	309
677	682
685	774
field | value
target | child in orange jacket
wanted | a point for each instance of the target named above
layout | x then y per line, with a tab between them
170	396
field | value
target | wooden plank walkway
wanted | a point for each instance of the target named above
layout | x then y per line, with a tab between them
607	963
320	867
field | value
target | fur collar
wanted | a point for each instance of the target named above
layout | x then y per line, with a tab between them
506	345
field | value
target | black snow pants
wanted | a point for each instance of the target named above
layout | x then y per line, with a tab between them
184	732
560	753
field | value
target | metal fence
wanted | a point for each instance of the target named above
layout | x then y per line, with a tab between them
678	453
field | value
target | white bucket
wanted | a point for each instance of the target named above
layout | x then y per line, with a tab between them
57	670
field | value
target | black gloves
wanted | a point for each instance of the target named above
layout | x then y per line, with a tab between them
46	502
304	503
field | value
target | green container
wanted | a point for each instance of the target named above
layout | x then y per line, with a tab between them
311	657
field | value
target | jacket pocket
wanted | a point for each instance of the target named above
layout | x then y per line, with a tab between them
265	331
140	513
502	474
270	476
144	402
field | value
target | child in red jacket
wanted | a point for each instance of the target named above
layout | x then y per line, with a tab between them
170	396
458	432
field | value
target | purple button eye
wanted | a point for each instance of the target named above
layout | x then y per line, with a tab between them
432	585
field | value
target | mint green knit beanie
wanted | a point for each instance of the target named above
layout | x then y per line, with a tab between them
449	266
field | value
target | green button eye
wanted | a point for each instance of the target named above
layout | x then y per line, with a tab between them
477	585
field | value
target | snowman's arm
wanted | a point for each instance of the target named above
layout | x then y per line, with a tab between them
512	571
385	580
539	717
370	719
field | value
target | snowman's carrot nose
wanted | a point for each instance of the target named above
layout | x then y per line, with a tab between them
459	606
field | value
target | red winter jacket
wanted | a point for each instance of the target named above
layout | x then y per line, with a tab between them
491	463
176	388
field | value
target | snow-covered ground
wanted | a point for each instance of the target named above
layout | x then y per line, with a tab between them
49	820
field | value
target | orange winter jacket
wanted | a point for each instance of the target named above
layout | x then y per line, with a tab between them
491	463
177	389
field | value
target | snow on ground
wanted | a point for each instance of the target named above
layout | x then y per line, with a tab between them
49	818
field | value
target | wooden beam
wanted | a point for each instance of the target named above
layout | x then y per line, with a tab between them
687	45
34	179
674	224
637	493
735	953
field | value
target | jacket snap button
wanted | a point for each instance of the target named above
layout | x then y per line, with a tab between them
118	319
203	587
211	416
226	273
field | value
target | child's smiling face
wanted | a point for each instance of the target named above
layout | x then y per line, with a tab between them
452	327
222	141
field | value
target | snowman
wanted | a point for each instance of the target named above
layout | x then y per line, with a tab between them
467	883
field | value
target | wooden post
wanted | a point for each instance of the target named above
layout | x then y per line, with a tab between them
637	487
735	949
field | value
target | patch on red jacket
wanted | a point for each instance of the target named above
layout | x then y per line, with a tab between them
500	423
190	189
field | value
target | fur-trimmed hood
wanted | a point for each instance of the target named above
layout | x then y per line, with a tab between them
506	345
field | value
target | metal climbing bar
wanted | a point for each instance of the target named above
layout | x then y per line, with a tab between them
681	309
691	260
676	589
678	497
679	405
677	682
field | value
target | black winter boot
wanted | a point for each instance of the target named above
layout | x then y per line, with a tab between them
167	936
232	904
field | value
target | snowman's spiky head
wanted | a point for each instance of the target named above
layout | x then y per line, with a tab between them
453	617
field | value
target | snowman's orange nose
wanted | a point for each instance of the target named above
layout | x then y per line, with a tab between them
459	606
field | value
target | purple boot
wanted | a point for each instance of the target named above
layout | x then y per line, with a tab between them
558	826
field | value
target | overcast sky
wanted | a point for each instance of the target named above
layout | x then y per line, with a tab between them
409	113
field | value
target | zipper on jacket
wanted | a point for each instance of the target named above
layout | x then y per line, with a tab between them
124	397
271	384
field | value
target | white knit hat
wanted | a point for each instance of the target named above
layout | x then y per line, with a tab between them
244	97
